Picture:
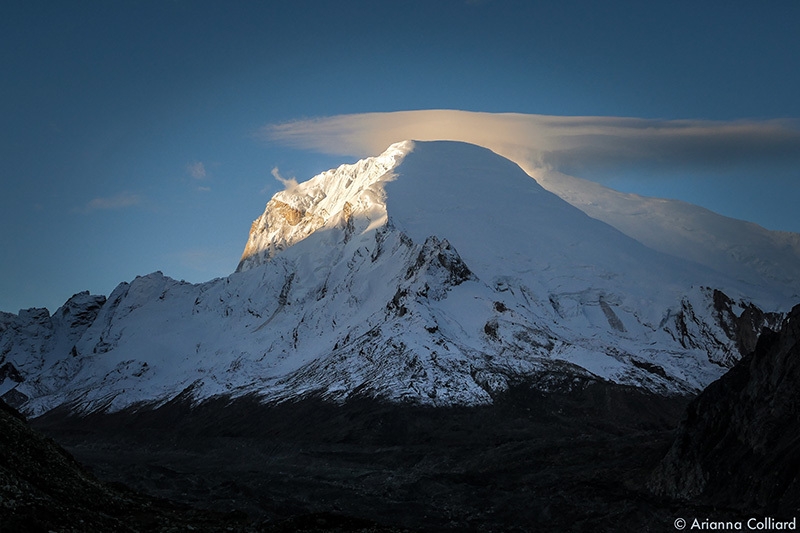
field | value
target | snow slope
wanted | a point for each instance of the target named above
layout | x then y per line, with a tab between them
743	250
437	272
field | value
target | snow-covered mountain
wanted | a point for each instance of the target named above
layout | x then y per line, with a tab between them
744	250
437	272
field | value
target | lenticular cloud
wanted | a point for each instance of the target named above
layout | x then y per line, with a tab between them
553	142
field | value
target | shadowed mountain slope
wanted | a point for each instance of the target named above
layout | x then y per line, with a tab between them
739	443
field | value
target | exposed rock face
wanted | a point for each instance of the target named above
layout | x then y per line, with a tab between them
279	215
732	331
746	326
34	340
738	445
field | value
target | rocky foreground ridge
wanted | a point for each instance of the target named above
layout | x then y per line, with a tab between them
738	444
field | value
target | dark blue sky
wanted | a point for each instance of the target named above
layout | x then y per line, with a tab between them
129	139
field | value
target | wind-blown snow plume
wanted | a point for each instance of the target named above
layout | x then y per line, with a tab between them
288	183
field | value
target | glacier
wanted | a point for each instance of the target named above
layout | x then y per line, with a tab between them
437	273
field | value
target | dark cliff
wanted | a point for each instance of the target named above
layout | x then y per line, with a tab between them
738	445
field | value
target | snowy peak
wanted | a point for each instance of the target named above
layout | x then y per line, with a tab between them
486	206
327	200
495	215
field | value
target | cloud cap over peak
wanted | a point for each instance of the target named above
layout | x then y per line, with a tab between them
567	143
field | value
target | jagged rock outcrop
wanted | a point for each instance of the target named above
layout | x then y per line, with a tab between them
33	340
738	445
731	333
746	326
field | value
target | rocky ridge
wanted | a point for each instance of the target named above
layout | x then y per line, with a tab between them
737	445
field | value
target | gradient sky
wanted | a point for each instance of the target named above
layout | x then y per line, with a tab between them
133	131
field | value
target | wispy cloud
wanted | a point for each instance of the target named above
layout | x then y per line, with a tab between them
565	143
118	201
197	170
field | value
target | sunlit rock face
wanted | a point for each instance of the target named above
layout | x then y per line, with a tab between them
328	200
436	273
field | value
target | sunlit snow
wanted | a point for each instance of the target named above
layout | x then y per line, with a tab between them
437	272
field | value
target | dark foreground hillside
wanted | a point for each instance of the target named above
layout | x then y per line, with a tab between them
571	461
42	488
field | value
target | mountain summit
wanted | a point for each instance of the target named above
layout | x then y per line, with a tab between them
437	273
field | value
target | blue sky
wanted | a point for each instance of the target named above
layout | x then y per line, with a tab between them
132	136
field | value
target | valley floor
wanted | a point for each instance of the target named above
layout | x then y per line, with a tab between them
574	461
